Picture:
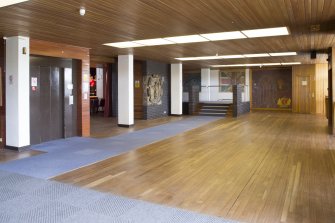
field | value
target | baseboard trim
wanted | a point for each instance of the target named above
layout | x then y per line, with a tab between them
18	149
176	115
125	126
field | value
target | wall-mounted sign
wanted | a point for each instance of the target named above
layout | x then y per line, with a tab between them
304	83
34	81
137	84
86	77
86	87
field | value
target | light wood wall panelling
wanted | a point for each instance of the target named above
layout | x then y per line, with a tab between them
321	78
44	48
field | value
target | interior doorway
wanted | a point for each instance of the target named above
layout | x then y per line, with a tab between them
304	92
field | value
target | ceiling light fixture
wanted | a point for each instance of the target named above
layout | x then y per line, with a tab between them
279	31
229	65
187	39
271	64
128	44
283	54
256	55
4	3
82	11
212	37
217	57
291	63
153	42
224	36
256	64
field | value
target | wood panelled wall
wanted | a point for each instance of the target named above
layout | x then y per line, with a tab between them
317	76
321	82
44	48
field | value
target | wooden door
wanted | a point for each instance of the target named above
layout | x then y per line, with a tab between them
304	94
138	90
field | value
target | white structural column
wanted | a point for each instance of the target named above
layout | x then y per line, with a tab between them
100	82
176	89
205	93
126	90
247	87
17	92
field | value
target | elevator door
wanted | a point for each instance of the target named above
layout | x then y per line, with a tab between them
47	103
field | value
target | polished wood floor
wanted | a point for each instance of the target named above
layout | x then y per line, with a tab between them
102	127
262	167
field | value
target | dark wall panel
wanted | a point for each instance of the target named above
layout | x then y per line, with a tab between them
35	135
272	88
163	109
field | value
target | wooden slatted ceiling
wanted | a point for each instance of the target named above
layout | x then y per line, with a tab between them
119	20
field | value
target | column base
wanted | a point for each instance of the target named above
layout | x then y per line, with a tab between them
176	115
125	126
18	149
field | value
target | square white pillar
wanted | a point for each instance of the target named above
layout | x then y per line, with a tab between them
247	87
17	92
205	93
125	90
176	89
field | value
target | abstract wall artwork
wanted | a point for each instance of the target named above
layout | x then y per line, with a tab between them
153	89
229	78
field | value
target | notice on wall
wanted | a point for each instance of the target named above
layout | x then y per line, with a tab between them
34	81
86	87
304	83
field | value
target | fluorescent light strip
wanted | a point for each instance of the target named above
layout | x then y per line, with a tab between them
256	65
291	63
271	64
153	42
283	54
210	57
124	44
279	31
4	3
235	56
256	55
187	39
224	36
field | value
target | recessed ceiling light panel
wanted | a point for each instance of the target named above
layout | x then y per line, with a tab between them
283	54
291	63
256	55
278	31
187	39
153	42
4	3
229	65
271	64
124	44
224	36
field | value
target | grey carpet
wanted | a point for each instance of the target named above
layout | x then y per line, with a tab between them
31	200
65	155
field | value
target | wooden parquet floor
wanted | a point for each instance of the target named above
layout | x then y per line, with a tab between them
261	167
